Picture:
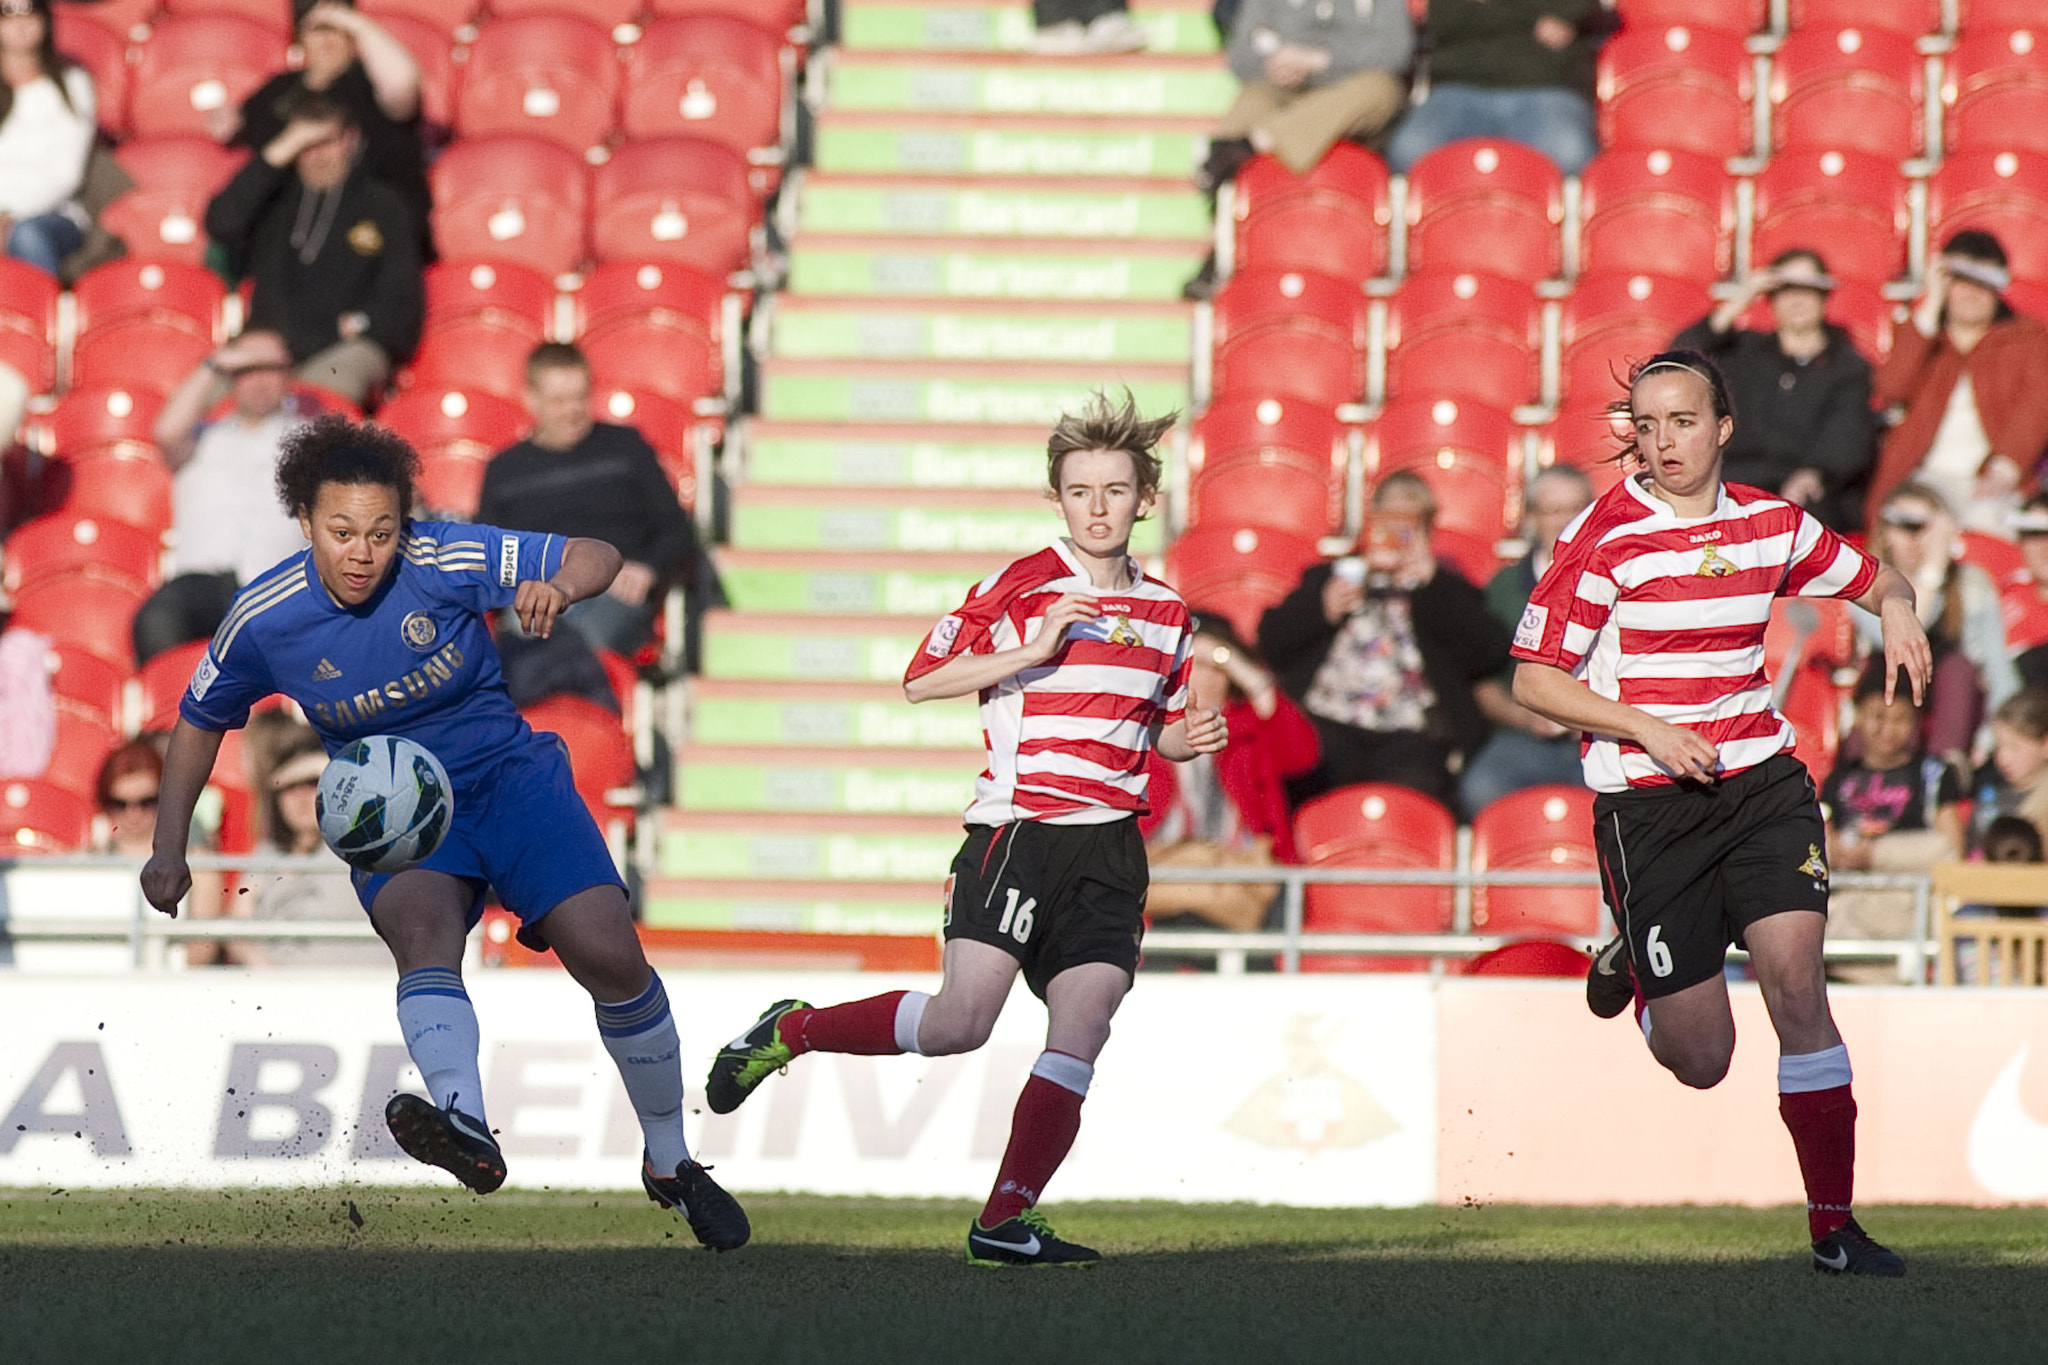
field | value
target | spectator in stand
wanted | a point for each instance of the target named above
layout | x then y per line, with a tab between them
1385	650
576	476
1313	73
2023	597
48	121
1807	432
291	822
1893	808
334	255
2012	782
1073	28
228	525
1959	606
1230	808
1525	749
130	780
351	57
1969	372
1512	69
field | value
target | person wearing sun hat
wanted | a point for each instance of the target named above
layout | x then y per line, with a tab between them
1970	375
292	826
1806	432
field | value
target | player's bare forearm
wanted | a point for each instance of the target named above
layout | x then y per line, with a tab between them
588	568
1200	731
1906	649
188	763
965	674
1550	691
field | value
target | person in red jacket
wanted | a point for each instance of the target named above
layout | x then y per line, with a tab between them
1968	372
1233	798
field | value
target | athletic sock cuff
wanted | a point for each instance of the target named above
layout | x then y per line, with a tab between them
1814	1071
647	1010
1064	1070
431	981
909	1014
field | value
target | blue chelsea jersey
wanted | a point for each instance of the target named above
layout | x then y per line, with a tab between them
416	659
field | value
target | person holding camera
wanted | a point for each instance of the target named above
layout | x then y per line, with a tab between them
1388	652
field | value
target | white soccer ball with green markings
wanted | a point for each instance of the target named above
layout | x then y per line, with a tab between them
385	804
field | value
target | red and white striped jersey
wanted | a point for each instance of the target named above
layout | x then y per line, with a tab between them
1067	740
1667	613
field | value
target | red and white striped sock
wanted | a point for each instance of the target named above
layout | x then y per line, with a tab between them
1042	1132
1815	1101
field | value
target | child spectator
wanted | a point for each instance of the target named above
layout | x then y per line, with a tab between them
2023	596
2011	783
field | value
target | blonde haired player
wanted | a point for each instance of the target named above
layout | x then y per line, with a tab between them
1081	664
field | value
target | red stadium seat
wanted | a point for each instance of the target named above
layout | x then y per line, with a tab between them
1586	436
1854	89
610	13
1268	490
520	199
637	289
28	323
486	288
1244	427
1375	825
129	486
141	352
1823	638
677	199
1238	570
1995	89
552	76
655	355
481	350
1656	211
88	422
1608	322
451	484
1850	205
164	216
64	542
1686	89
1485	204
1905	18
1530	957
440	76
1813	703
84	739
778	14
138	287
89	610
445	15
1465	335
1332	221
1972	15
1995	555
277	17
600	751
196	65
674	430
88	682
1537	829
2005	193
1292	334
120	16
1857	306
708	76
1468	453
465	423
1738	17
39	817
102	49
163	681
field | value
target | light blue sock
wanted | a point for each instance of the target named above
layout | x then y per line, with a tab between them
439	1026
641	1036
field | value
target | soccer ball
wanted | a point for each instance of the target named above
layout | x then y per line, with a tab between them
385	804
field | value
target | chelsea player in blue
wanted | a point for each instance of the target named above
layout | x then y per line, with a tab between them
378	628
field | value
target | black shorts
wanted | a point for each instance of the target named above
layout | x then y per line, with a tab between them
1051	896
1688	868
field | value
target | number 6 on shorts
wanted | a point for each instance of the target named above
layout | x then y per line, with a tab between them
1658	952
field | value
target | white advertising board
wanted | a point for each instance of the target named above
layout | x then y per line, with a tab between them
1304	1091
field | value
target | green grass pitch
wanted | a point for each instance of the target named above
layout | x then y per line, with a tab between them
447	1278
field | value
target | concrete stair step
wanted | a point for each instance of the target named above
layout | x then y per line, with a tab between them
926	586
1138	86
877	781
980	145
857	848
838	715
940	521
899	456
756	647
1004	26
1119	210
845	391
990	268
810	328
789	906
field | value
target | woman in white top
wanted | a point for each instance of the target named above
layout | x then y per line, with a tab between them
47	113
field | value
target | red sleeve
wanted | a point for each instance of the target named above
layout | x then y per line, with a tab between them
1569	605
1287	735
972	628
1825	565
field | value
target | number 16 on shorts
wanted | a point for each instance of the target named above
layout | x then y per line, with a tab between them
1016	920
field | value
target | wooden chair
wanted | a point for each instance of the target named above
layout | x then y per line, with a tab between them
2004	952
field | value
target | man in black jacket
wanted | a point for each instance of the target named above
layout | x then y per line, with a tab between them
576	476
1386	650
334	255
1802	392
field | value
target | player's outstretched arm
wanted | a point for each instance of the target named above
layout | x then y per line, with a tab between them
1201	730
964	674
1891	600
1550	691
588	568
188	762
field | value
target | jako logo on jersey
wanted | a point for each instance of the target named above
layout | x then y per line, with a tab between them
364	707
419	630
1702	537
508	562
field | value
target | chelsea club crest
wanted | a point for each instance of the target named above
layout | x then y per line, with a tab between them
419	630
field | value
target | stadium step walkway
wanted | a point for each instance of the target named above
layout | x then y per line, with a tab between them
985	237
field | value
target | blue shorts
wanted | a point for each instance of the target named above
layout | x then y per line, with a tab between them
522	829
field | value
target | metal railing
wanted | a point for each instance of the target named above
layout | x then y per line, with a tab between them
149	934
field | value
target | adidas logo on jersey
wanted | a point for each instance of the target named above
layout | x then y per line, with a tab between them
326	672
